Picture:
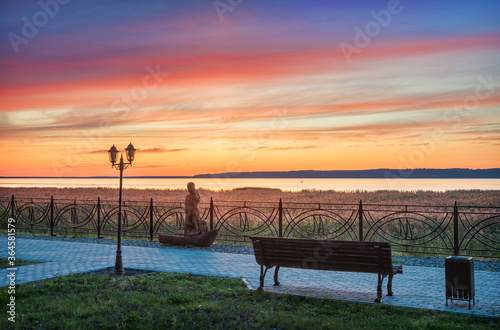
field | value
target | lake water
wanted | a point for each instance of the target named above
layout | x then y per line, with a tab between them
283	184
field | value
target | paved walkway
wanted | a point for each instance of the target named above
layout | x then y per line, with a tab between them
420	287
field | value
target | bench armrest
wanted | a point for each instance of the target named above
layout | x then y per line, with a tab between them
397	269
261	254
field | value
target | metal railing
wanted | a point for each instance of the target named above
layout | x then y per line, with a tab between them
411	229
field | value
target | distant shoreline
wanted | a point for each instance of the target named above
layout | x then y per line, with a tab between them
222	177
419	173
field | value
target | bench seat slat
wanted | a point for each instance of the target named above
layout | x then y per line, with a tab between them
321	254
283	240
278	246
328	245
330	259
310	263
305	241
325	255
358	269
313	245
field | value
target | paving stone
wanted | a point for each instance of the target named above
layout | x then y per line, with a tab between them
418	287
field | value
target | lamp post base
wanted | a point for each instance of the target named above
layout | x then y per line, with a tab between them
119	265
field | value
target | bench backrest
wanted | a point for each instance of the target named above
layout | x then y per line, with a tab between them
350	256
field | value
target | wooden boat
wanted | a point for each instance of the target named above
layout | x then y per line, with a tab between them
204	239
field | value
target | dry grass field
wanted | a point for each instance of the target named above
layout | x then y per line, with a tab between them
448	198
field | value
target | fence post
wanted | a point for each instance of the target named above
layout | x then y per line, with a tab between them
12	204
280	219
99	217
151	226
52	216
455	229
360	213
211	213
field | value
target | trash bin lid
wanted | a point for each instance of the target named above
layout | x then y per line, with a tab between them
459	258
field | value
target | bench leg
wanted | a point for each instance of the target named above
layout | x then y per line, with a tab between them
262	275
389	286
379	288
276	282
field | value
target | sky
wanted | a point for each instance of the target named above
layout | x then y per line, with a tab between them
248	85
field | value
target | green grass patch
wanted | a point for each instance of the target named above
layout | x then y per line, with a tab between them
181	301
5	263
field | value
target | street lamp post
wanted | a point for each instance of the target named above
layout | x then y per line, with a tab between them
112	153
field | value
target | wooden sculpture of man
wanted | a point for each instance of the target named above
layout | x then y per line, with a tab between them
192	226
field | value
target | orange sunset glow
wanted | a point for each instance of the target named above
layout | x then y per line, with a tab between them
267	86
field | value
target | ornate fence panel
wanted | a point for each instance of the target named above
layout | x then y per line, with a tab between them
478	232
169	218
74	218
5	208
238	220
412	229
32	214
321	221
134	219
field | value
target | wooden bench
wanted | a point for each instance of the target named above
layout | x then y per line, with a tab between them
346	256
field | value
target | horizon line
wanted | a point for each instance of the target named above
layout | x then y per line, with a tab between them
278	173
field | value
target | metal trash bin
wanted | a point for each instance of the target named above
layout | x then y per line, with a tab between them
459	273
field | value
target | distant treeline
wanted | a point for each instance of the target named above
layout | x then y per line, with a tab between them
381	173
418	173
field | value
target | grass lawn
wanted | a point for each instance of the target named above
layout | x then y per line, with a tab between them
181	301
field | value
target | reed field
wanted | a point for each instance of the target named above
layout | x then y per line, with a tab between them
488	198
